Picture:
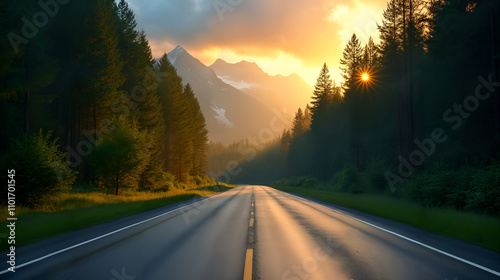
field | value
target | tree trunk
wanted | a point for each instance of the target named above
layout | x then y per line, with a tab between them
27	112
117	181
410	79
95	121
494	58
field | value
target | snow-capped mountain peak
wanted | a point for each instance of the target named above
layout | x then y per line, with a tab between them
172	56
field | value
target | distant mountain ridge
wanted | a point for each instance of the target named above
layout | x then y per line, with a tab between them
230	114
236	108
286	93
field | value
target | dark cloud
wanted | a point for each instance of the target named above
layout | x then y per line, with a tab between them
180	20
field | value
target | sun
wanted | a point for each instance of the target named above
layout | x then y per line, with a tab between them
365	77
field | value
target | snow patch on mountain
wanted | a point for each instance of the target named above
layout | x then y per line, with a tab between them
236	84
221	116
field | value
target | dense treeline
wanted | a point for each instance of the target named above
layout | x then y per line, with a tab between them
82	70
417	114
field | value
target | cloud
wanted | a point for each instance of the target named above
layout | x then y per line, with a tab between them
308	32
359	17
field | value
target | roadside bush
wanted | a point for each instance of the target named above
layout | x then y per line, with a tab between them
307	182
466	189
203	180
41	170
348	180
458	194
432	187
159	181
484	195
372	178
333	183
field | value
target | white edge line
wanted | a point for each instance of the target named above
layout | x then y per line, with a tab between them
98	237
403	237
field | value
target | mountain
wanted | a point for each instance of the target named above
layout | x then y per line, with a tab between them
285	93
231	115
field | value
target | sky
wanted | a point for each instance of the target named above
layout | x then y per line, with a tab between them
281	36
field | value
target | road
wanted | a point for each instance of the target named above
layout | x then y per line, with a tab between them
257	231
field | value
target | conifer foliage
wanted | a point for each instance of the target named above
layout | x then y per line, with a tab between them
432	59
123	119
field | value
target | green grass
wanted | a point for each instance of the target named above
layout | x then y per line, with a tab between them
474	228
84	208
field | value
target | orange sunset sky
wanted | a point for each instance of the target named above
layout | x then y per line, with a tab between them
281	36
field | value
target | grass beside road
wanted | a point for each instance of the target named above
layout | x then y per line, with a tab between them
474	228
84	208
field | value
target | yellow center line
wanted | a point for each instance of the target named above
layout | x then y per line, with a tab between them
247	275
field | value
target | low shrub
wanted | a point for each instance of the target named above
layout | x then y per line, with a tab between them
41	170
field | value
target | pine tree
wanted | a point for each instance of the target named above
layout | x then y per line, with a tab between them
178	140
351	62
306	121
141	88
370	55
199	134
298	124
301	122
102	77
99	73
404	35
131	51
322	97
285	141
149	110
389	32
13	84
405	28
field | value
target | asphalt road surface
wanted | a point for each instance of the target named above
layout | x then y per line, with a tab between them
252	232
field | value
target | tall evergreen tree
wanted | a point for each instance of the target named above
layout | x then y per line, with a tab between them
389	32
199	134
370	56
307	116
102	66
149	108
351	62
298	124
131	52
140	86
99	74
322	97
178	139
285	141
301	122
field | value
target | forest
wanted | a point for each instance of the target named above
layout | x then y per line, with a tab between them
417	115
83	101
